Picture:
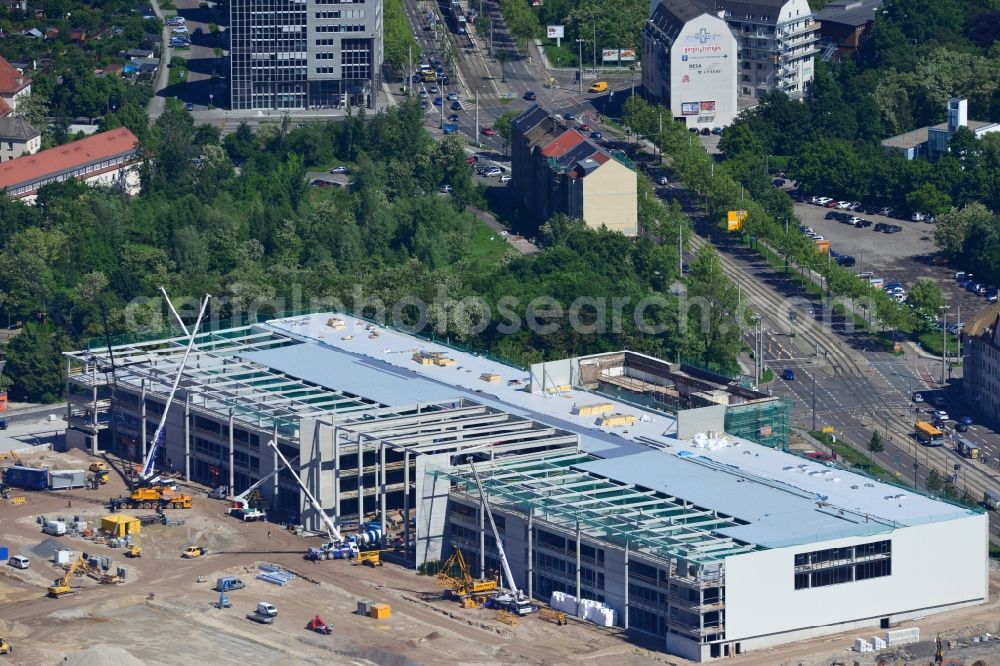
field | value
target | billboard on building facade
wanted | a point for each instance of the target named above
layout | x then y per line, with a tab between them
689	108
707	106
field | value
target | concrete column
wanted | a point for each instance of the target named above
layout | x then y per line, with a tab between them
625	615
578	590
531	552
406	502
336	475
187	437
482	540
381	484
274	465
142	419
361	466
232	472
93	442
69	407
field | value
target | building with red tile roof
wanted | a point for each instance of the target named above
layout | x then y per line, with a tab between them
109	158
558	169
14	85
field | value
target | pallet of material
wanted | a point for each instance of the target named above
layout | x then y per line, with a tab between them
561	388
336	323
596	409
616	420
490	377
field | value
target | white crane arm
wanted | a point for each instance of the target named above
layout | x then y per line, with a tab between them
331	528
147	467
496	534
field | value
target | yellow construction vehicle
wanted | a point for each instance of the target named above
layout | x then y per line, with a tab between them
152	497
465	586
371	558
192	552
5	646
133	550
60	586
99	466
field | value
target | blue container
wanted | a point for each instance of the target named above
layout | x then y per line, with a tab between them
27	477
4	553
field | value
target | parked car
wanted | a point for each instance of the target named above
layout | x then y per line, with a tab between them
831	204
940	415
453	118
488	131
847	261
452	97
19	562
492	172
438	100
861	224
885	210
961	427
530	96
893	229
189	107
505	178
843	205
717	130
596	135
880	226
340	169
853	220
456	106
918	217
705	131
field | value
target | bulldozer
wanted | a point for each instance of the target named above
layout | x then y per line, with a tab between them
371	558
133	550
60	586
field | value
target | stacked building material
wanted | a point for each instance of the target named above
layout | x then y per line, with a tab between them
276	575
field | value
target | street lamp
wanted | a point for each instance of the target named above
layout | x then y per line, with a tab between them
579	43
944	341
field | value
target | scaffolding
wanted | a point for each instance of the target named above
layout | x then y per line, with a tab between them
765	422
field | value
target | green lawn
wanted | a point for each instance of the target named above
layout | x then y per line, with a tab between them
486	246
931	342
564	56
178	72
853	457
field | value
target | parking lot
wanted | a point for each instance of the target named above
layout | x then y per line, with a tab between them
204	85
901	257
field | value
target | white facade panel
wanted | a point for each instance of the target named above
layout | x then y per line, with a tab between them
935	567
703	73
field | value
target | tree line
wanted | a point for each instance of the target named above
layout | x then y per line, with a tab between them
75	266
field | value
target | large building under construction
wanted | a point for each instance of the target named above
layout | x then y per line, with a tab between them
654	488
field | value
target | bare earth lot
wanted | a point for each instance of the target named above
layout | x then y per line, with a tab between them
162	615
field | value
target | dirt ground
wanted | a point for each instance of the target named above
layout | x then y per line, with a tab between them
161	614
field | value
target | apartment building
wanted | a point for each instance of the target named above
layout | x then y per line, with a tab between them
981	362
690	63
558	169
305	54
776	42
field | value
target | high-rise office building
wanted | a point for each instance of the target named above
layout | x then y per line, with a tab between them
304	54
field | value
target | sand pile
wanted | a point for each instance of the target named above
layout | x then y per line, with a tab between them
101	655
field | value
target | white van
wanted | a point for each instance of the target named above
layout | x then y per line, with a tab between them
19	562
266	609
54	527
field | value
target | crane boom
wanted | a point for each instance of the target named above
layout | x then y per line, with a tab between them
147	467
331	528
496	534
242	497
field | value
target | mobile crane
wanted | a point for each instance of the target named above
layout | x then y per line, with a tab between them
60	586
511	600
337	547
148	492
244	505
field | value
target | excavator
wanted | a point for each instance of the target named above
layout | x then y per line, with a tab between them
5	646
150	492
60	586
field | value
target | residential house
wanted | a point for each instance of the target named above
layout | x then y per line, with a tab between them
14	85
18	138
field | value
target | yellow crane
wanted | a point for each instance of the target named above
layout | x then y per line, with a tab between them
60	586
466	586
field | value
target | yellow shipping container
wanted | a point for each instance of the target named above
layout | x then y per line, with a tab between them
120	525
379	611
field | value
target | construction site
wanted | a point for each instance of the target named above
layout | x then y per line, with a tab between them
480	513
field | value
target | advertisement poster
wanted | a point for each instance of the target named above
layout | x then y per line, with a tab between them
689	108
627	54
708	106
609	54
555	32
